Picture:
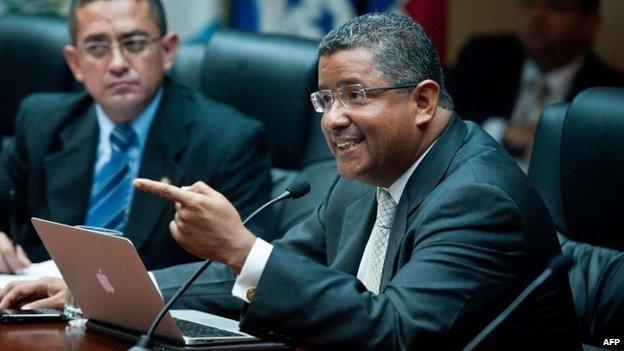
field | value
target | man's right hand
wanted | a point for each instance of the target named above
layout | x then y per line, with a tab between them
12	257
46	292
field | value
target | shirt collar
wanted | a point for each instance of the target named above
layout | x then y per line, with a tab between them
558	81
140	125
396	189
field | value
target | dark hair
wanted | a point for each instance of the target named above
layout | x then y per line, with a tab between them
156	13
403	52
590	6
585	6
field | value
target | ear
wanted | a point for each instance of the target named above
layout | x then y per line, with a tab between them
424	101
170	45
73	61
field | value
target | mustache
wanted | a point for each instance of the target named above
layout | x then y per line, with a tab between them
350	132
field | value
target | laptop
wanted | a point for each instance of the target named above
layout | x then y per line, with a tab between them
111	285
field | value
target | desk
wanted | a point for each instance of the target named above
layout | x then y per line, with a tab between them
56	336
60	336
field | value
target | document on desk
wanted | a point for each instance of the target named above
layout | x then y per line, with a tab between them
35	271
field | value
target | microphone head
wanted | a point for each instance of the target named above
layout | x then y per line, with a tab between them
298	189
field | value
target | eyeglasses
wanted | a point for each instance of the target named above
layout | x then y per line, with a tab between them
350	96
133	46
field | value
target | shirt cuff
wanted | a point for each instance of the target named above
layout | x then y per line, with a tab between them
253	267
495	126
153	278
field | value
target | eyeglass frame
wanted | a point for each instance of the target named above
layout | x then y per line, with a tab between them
118	45
315	96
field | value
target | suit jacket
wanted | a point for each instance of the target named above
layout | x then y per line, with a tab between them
469	234
597	285
191	139
486	77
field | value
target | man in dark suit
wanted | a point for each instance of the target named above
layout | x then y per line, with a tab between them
427	234
65	148
502	82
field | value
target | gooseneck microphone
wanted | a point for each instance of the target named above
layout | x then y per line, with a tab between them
145	342
293	191
557	264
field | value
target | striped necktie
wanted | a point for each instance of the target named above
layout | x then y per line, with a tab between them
533	102
112	187
541	93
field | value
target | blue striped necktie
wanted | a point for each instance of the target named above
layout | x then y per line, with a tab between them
111	190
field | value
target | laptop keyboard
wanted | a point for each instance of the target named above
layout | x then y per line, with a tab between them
196	330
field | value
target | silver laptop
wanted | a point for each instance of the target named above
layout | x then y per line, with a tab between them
111	285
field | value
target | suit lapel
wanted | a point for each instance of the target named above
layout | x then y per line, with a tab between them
585	77
425	178
165	144
68	198
358	224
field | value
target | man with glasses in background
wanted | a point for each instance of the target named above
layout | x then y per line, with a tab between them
429	231
75	155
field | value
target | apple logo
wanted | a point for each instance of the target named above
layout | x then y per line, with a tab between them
103	280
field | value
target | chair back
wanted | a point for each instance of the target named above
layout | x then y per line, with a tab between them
544	170
188	64
577	165
31	60
592	168
268	77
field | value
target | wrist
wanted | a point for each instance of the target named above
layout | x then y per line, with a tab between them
240	251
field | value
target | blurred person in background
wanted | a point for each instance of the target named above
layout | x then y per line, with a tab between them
503	82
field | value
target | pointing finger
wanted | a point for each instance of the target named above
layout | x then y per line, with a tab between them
202	188
167	191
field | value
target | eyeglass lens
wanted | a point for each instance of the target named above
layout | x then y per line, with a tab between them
134	45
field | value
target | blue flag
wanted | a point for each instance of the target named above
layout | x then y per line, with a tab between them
306	18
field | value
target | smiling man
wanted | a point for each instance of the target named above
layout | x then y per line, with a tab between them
429	231
427	234
76	154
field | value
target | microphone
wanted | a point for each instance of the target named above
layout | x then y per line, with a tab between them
293	191
557	264
297	190
145	342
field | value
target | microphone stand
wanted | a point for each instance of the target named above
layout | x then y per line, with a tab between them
145	342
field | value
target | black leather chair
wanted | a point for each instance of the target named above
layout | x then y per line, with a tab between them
269	77
188	64
577	166
31	60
